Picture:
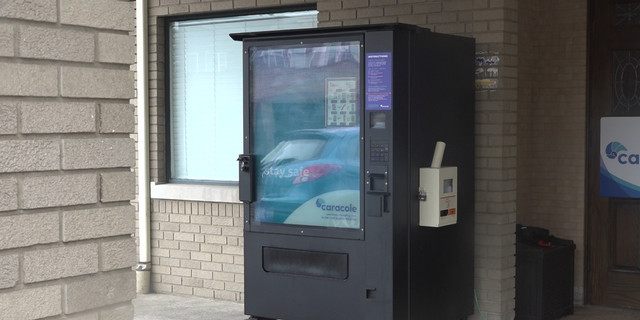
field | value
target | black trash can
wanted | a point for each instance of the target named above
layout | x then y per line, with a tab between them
544	281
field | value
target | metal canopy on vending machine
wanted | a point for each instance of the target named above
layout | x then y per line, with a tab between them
345	215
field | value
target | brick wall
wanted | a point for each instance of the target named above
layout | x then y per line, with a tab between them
494	24
552	121
197	249
66	249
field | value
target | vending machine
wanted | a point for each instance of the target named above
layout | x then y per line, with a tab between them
358	174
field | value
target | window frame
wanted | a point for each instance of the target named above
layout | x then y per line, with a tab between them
201	184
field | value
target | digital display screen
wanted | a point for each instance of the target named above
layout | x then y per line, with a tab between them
448	186
378	120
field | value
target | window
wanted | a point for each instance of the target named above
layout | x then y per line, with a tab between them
205	92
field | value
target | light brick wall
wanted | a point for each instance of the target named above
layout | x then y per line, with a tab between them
197	249
494	24
66	249
552	122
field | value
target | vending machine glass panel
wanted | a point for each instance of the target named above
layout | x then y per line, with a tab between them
305	125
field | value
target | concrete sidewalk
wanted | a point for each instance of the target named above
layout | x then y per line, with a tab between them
175	307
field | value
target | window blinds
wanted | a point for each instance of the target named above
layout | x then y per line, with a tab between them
206	91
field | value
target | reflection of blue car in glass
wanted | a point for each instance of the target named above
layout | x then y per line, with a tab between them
306	164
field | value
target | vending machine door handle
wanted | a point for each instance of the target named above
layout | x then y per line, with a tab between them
245	177
245	162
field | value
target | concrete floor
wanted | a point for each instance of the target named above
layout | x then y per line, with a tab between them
177	307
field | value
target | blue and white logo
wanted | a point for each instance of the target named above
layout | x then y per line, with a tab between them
320	203
614	150
335	209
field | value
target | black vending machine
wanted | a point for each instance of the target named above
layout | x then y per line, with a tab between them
358	174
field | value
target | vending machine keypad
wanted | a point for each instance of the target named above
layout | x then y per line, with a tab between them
379	151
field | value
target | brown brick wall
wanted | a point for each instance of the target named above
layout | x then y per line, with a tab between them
552	121
66	249
527	91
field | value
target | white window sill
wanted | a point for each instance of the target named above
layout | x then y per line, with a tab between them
195	192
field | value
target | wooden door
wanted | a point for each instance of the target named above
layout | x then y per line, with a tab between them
613	224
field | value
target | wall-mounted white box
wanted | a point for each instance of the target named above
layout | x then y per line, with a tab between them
440	185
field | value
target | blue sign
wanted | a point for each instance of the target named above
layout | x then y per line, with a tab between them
620	157
378	88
